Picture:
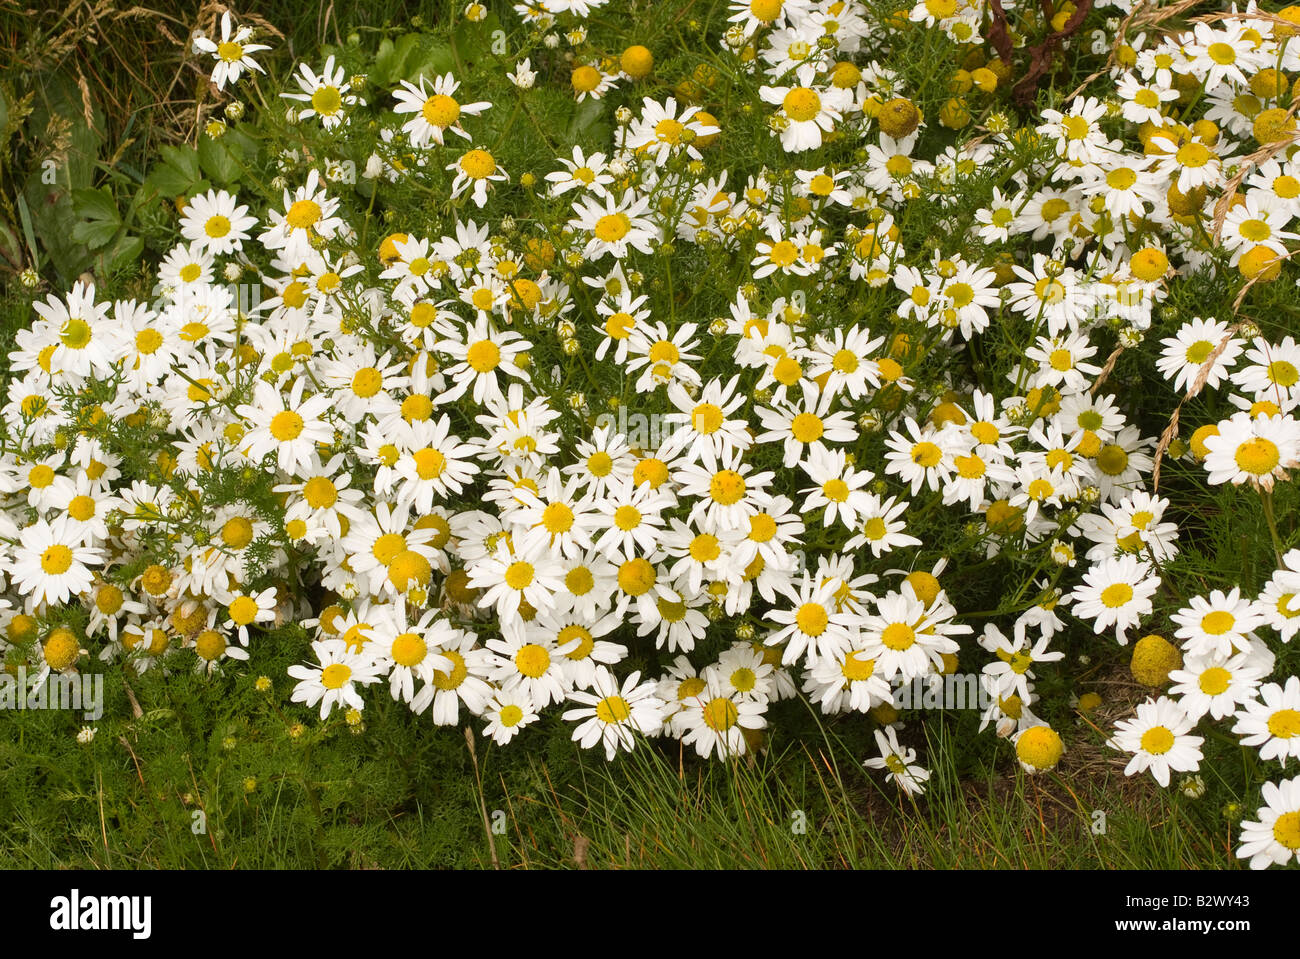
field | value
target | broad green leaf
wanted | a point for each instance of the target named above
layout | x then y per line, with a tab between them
217	161
95	205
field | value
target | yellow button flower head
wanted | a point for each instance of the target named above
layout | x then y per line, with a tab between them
1039	749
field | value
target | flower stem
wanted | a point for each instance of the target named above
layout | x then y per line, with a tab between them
1266	497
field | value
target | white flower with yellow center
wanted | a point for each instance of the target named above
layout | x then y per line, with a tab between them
805	427
844	358
216	223
715	721
362	382
1215	684
1253	449
186	264
288	426
837	487
435	463
50	565
1077	135
333	682
1013	668
322	500
1159	739
662	131
416	269
662	357
922	457
846	682
622	317
511	578
407	642
1186	355
615	226
475	171
807	110
703	423
1115	593
386	553
1272	723
79	330
464	683
615	716
327	96
248	609
1274	839
727	491
880	528
631	517
508	711
481	355
557	516
435	110
529	662
232	53
1274	370
1280	598
903	638
900	762
812	627
310	213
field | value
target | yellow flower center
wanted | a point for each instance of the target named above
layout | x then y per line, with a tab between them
335	675
56	560
237	533
243	610
286	426
720	714
440	110
1116	595
613	709
727	487
519	575
1214	680
459	670
1286	830
532	660
303	214
409	649
801	104
1218	622
478	164
812	619
1157	740
1284	724
636	576
483	356
627	518
327	101
898	636
612	227
230	51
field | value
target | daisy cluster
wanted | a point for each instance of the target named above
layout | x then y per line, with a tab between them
509	467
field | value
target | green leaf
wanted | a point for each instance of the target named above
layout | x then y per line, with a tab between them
95	205
49	187
217	161
409	58
125	251
179	172
99	219
585	117
94	233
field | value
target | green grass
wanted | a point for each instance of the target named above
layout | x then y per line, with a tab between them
400	794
